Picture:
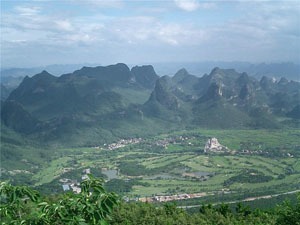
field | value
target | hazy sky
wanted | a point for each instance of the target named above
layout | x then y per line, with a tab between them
40	32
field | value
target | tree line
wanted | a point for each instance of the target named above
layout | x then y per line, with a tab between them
94	205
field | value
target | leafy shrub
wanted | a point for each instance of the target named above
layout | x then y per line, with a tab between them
93	205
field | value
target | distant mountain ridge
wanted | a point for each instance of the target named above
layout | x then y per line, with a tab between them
289	70
12	77
101	101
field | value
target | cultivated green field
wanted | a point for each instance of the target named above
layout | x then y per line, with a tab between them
175	163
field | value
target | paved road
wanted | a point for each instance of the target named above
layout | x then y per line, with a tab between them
244	200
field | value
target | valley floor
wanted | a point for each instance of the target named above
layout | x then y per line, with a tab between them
257	164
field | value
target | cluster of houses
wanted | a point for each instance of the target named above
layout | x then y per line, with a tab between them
171	140
167	198
74	185
170	197
122	143
212	144
261	152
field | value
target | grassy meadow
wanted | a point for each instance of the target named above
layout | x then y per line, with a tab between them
175	163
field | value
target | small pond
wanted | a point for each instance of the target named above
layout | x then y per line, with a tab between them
201	173
111	174
161	176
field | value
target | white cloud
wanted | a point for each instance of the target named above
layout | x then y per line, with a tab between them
101	3
64	25
252	31
193	5
27	11
187	5
152	31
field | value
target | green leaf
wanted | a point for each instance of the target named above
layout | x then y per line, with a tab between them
103	222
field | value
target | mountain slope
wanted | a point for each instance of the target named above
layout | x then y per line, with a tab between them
98	104
145	76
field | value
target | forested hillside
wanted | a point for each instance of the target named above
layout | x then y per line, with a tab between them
101	104
22	205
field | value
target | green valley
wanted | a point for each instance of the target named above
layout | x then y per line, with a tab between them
221	138
175	112
257	163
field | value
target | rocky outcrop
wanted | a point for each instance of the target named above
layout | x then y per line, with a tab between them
180	75
145	76
213	145
163	94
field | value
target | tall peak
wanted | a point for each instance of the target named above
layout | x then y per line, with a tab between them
181	74
44	75
145	75
215	70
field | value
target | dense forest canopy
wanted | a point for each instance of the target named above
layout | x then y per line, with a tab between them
94	205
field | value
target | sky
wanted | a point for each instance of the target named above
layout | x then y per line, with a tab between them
41	32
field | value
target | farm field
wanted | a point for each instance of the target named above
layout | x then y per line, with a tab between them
258	162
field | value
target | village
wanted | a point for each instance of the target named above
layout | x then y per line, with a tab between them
172	140
184	196
167	198
212	146
74	185
120	144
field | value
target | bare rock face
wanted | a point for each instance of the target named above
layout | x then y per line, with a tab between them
145	76
213	145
